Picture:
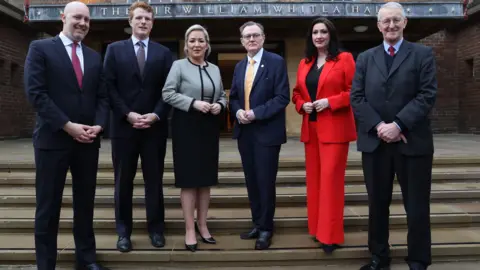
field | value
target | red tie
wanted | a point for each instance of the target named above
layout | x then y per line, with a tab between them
392	51
76	64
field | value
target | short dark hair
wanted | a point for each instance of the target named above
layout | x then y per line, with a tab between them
333	50
250	23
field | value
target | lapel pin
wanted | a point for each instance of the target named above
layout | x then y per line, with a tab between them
261	66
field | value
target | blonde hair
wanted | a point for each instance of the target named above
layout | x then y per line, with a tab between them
197	27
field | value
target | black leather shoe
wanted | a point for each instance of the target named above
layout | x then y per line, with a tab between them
124	244
375	264
253	234
209	240
192	248
93	266
328	249
158	240
264	240
417	266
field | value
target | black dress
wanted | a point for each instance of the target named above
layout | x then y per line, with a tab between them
195	140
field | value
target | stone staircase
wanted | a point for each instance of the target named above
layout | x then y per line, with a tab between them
455	216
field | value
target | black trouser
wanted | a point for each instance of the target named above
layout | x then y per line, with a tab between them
414	173
125	153
51	171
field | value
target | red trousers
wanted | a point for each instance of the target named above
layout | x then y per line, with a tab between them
325	167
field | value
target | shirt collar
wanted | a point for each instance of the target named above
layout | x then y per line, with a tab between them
67	41
257	57
145	41
396	46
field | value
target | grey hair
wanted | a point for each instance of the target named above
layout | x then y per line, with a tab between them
392	5
197	27
251	23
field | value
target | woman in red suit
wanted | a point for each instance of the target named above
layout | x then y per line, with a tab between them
322	97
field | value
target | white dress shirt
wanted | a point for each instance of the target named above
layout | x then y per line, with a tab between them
136	46
68	46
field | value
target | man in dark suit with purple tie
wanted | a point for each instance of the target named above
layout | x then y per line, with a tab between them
258	97
135	72
63	82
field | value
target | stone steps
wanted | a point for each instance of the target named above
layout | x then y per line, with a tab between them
231	219
234	164
229	196
287	248
439	174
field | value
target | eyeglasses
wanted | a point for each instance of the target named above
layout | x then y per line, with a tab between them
249	36
388	21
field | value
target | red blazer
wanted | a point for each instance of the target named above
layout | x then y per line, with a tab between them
336	123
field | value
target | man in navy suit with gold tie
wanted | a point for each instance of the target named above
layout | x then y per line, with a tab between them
258	98
63	82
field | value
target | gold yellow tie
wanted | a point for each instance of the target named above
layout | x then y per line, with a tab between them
248	83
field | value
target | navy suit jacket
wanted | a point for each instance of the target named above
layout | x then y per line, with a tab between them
131	92
52	88
269	97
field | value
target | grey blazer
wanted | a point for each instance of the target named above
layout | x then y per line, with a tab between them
187	82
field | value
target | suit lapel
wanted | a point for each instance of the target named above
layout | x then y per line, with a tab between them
87	63
323	76
379	59
62	52
403	52
150	56
305	70
241	77
131	55
261	67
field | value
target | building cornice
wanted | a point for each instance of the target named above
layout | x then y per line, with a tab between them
11	10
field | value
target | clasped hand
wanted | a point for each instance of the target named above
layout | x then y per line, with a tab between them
139	121
206	107
390	133
318	105
82	133
245	117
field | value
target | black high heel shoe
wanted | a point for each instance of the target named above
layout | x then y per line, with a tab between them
209	240
328	249
192	248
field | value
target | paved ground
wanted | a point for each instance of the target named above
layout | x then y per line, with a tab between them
439	266
18	151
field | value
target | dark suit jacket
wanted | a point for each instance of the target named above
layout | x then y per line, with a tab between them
269	96
405	95
52	88
130	92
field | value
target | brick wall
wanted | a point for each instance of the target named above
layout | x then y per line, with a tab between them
457	53
16	116
468	69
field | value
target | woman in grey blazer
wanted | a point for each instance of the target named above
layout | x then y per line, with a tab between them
194	89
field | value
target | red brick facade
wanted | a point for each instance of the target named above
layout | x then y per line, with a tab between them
457	54
16	116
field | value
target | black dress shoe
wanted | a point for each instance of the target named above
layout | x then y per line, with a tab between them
192	248
124	244
417	266
264	240
93	266
328	249
158	240
375	265
209	240
253	234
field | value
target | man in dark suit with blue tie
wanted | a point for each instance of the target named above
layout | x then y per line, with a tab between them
258	97
135	72
63	82
393	92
